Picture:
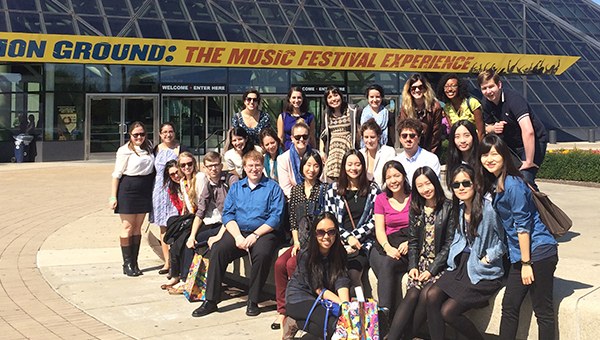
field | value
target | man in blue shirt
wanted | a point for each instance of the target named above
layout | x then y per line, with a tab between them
508	114
253	210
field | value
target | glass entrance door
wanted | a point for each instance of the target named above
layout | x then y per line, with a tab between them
198	121
109	118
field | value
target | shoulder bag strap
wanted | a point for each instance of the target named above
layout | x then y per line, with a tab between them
349	213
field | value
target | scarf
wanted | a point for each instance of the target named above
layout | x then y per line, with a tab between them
268	164
295	159
381	120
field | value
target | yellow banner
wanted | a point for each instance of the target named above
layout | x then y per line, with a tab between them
49	48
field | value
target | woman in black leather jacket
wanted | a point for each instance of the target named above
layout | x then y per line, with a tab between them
430	234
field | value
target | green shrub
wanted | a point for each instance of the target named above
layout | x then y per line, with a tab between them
571	165
443	154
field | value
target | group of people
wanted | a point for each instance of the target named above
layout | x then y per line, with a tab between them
353	204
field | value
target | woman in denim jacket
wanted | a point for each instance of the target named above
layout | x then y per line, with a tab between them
352	199
532	249
474	261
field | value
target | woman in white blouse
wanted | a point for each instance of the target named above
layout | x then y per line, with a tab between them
131	194
376	154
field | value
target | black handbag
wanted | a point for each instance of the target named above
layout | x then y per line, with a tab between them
177	225
556	221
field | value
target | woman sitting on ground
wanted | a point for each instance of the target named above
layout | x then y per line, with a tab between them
322	272
430	234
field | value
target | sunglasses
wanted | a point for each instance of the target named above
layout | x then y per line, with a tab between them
252	100
172	174
406	135
466	183
299	137
183	165
136	135
414	88
321	233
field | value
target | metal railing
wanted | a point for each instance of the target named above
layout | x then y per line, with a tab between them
216	133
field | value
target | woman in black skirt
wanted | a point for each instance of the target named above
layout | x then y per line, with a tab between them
131	194
474	260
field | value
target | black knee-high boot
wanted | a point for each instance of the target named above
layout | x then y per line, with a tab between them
135	251
127	251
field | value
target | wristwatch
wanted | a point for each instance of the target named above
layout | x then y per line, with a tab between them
256	235
527	262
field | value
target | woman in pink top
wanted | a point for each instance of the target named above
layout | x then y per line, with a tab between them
388	259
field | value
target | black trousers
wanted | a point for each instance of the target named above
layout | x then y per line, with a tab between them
388	271
204	232
225	251
316	323
541	290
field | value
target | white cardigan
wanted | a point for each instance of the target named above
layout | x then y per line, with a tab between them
384	153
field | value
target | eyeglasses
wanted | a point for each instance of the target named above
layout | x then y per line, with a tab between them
170	132
212	166
299	137
414	88
466	183
136	135
248	99
321	233
406	135
183	165
452	86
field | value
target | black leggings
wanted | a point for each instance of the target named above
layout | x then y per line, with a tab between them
316	323
412	306
442	309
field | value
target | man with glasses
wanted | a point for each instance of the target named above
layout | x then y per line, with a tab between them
207	227
413	156
251	212
508	114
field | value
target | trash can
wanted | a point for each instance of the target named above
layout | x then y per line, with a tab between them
22	146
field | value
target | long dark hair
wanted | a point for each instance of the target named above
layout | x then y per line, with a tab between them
167	181
271	133
485	179
316	156
240	132
462	91
417	202
476	203
344	181
334	89
454	156
289	108
337	256
398	166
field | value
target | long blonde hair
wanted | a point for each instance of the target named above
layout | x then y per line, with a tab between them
408	103
192	194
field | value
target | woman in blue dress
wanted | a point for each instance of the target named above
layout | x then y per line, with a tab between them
162	208
295	108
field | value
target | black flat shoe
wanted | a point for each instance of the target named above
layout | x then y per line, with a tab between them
206	308
252	309
275	326
163	271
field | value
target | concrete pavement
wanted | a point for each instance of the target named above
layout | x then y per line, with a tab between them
60	266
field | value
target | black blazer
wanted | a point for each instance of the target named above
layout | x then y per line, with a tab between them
443	236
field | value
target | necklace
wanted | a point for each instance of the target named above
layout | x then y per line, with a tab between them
355	196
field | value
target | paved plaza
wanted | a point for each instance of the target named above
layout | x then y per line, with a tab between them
60	266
